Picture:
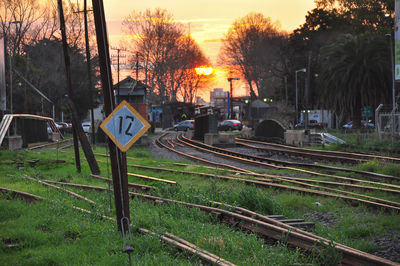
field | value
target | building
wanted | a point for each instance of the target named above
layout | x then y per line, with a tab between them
130	90
134	92
219	99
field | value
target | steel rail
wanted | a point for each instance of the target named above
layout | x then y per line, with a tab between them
264	176
386	203
49	144
292	236
261	161
258	163
23	195
352	155
166	237
283	179
303	154
255	182
268	227
324	194
378	200
160	144
374	176
328	183
170	182
189	247
131	185
73	194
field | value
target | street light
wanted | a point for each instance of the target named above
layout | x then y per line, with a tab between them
297	94
230	96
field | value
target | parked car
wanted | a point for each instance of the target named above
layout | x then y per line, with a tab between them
229	125
365	124
184	125
63	127
86	126
348	125
311	124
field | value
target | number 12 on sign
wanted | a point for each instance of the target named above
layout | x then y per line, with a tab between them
124	126
121	118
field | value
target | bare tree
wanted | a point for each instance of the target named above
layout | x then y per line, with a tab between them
166	53
183	80
26	22
17	19
250	49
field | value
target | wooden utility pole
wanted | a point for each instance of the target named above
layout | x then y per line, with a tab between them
118	160
76	123
118	63
76	148
137	66
89	67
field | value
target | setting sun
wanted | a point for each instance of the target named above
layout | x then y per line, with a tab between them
204	70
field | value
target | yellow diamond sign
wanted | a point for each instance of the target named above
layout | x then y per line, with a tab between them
124	126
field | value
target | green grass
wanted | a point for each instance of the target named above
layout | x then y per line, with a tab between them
52	233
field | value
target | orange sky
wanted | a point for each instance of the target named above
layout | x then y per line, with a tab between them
209	20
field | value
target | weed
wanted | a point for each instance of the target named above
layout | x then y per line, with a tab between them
328	254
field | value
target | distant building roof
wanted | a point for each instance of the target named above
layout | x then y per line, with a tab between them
130	86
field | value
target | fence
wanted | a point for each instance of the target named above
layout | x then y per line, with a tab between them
387	122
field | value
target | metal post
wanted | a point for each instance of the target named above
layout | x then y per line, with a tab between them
297	101
11	92
231	96
118	100
11	85
393	85
297	94
137	65
118	161
118	69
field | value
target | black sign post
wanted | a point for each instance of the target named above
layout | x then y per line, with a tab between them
118	159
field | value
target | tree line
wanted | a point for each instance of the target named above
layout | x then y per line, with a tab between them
342	46
166	55
33	41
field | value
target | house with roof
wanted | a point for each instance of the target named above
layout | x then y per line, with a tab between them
134	92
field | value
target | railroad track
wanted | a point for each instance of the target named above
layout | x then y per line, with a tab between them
340	156
250	221
310	189
279	164
61	144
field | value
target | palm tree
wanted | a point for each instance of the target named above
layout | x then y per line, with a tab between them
355	72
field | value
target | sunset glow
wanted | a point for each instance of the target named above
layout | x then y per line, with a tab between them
204	70
208	22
